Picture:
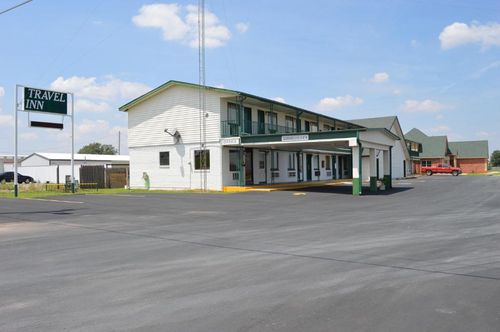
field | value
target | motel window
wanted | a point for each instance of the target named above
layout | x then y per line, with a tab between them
327	127
233	113
275	164
165	158
234	160
328	162
289	124
307	126
314	126
272	120
291	161
201	159
426	163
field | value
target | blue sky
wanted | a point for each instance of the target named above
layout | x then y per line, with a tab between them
434	64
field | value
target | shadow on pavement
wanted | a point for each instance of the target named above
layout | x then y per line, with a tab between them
347	190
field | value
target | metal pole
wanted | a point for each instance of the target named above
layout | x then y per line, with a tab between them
202	97
16	189
119	142
73	143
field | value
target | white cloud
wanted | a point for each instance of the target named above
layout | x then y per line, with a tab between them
439	117
458	34
109	88
2	91
442	129
82	105
6	120
484	134
29	136
220	86
98	128
279	99
396	92
330	103
87	127
380	78
427	105
242	27
414	43
168	18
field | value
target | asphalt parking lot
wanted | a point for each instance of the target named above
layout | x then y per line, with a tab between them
424	257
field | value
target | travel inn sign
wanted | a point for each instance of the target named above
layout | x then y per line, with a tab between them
46	101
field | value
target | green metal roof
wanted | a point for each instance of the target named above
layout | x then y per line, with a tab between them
470	149
432	146
380	122
415	135
170	83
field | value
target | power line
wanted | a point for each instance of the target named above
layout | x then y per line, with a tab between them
14	7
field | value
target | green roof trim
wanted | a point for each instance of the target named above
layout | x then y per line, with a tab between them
170	83
470	149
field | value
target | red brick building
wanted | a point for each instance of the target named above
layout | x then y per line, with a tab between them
471	156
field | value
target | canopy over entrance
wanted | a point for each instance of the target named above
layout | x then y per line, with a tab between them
350	141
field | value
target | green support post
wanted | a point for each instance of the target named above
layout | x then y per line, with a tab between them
242	168
298	122
390	167
373	184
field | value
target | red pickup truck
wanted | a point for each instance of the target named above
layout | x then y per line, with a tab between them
441	168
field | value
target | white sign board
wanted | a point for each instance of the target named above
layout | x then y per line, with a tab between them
230	141
295	138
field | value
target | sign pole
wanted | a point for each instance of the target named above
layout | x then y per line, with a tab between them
16	189
72	143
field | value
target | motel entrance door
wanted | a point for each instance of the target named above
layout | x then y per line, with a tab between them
261	171
308	167
248	166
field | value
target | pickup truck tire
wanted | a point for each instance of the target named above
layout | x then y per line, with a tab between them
454	173
429	173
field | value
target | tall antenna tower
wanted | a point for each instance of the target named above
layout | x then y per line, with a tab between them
202	96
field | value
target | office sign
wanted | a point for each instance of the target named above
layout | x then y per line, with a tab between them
230	141
294	138
46	101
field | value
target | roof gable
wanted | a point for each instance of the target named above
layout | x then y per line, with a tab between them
381	122
416	135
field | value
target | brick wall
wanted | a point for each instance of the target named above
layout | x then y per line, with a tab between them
473	165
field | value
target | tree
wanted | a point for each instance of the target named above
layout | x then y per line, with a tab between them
495	158
98	148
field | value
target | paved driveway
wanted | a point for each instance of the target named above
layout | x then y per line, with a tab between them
424	258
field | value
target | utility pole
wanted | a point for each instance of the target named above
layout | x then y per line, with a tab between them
119	142
202	96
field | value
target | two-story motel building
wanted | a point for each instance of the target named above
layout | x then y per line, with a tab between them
248	140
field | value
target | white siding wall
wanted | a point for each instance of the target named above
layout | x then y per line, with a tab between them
35	160
48	173
180	174
176	107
